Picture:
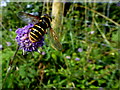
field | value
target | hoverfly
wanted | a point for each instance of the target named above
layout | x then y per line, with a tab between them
41	24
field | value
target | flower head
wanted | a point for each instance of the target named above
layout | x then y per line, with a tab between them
8	43
118	4
68	57
92	32
1	47
43	53
80	49
23	39
77	59
10	29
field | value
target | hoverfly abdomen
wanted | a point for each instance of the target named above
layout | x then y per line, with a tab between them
34	35
39	29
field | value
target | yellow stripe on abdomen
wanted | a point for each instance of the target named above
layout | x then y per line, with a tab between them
40	28
37	31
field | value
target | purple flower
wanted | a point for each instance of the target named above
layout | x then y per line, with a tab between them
1	47
29	6
80	49
68	57
101	88
92	32
77	59
23	41
118	4
43	53
10	29
8	43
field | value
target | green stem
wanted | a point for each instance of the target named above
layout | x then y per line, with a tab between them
103	35
10	66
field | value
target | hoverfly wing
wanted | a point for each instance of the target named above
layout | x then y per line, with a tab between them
28	18
54	40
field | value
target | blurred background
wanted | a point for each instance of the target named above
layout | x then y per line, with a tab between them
88	33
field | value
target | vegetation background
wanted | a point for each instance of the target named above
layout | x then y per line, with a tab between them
89	37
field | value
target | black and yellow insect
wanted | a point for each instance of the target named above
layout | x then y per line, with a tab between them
40	28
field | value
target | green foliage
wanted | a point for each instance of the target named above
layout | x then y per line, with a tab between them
94	66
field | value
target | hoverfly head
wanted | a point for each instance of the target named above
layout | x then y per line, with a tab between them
47	16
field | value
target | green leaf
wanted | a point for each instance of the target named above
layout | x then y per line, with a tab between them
54	56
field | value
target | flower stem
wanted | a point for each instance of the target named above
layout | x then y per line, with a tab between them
10	65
